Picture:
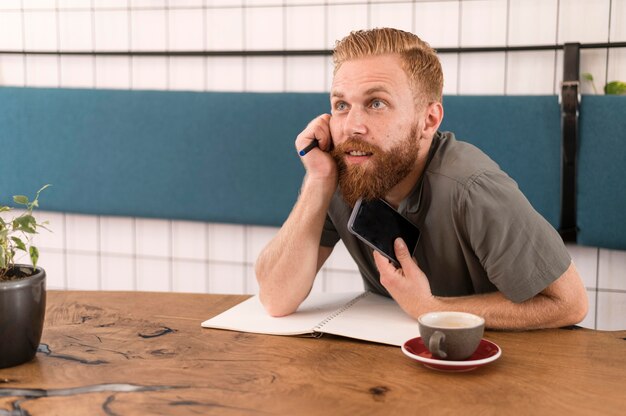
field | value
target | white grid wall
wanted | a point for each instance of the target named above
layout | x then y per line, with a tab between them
112	253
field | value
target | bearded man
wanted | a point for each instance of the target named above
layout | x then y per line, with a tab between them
483	248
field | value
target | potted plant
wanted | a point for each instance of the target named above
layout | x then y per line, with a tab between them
22	286
610	88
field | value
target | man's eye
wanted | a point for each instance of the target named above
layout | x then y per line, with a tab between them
376	104
340	106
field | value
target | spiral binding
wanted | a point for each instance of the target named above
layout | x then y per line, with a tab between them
339	311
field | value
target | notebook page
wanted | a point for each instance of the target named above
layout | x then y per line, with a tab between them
250	316
374	318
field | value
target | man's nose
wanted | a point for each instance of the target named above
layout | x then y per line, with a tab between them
355	122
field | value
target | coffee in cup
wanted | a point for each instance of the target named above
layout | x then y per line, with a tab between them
451	335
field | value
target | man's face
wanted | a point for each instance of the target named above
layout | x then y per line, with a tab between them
374	126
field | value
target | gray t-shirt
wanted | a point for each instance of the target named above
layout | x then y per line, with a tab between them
479	233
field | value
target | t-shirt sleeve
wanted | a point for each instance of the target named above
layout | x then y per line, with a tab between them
520	251
330	236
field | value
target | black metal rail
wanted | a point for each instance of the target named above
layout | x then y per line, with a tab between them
302	52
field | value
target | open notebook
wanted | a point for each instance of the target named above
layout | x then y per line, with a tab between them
361	315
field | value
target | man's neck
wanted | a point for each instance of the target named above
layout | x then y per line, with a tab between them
403	188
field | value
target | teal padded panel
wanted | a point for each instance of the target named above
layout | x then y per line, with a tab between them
221	157
601	194
522	134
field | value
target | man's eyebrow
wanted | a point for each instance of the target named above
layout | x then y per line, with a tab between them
370	91
375	89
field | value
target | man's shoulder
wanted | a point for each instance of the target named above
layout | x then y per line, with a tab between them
458	161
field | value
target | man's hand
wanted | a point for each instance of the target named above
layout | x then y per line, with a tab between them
408	285
318	163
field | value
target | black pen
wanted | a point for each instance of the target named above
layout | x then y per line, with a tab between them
309	147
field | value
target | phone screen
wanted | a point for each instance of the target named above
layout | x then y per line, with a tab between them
378	225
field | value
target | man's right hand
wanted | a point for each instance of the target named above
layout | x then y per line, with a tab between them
318	163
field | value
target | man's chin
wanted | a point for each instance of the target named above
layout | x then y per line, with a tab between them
360	169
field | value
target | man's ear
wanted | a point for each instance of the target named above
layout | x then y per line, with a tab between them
432	118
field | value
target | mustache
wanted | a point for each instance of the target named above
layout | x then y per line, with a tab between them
354	144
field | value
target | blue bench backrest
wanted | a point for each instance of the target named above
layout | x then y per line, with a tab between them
601	194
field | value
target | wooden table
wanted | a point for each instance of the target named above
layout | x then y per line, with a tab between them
130	353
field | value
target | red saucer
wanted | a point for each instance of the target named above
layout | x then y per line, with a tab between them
487	352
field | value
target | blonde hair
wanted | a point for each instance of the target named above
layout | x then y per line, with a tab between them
419	60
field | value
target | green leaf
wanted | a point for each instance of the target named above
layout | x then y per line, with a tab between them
35	203
588	77
615	88
43	225
3	260
42	188
20	199
34	255
25	223
19	244
4	208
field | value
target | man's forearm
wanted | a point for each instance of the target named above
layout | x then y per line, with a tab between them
562	303
286	268
499	312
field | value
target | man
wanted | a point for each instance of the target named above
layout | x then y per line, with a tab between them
483	248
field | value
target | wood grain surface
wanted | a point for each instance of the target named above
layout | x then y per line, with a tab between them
137	353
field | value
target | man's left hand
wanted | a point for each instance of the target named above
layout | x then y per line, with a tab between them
408	285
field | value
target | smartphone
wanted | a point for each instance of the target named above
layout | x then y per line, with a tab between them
377	224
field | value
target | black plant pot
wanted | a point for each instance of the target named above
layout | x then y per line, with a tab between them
22	312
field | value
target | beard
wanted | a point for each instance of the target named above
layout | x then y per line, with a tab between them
385	169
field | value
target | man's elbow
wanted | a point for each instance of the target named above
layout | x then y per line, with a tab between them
275	307
573	297
573	310
579	309
274	304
